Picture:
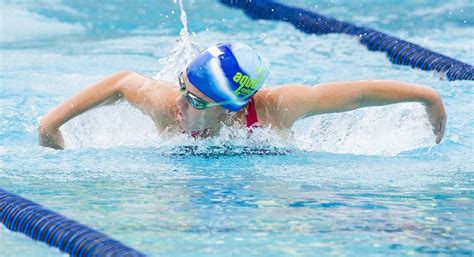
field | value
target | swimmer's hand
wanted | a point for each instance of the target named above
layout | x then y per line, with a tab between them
105	91
51	138
437	116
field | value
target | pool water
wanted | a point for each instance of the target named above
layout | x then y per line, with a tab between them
366	182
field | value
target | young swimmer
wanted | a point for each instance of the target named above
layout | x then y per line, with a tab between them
223	86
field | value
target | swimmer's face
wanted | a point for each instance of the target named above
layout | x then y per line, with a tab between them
192	119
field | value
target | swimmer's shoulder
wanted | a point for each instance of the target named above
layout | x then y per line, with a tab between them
137	81
272	94
152	96
266	102
272	105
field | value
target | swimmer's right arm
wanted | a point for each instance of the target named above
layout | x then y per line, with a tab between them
299	101
105	91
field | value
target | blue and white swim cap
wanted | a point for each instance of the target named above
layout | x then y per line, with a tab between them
228	72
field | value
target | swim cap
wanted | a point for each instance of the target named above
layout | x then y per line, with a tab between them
228	71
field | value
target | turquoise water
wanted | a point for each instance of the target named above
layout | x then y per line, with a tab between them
368	182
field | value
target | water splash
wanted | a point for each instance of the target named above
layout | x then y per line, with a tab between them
184	51
110	126
386	130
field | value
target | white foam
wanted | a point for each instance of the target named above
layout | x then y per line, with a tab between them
110	126
387	130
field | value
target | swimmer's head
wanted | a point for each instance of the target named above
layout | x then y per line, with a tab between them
229	73
190	116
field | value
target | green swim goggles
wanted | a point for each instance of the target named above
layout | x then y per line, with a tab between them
196	101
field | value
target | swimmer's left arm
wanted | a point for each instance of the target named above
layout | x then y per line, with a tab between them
303	101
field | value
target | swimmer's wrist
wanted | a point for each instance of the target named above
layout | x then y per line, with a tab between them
45	127
431	97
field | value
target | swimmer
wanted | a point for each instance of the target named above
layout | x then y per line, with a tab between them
222	86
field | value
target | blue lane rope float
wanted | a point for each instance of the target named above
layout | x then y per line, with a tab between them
398	51
22	215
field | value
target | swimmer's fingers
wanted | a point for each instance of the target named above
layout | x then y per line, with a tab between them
440	130
437	117
51	138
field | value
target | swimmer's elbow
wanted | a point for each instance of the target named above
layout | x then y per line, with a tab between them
130	88
123	79
122	76
124	73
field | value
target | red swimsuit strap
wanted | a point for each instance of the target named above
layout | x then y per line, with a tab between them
251	115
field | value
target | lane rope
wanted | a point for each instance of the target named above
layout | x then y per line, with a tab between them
22	215
398	51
